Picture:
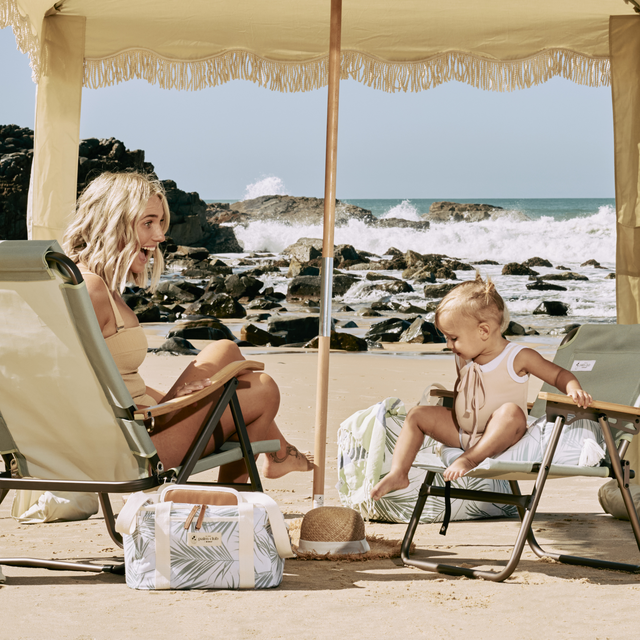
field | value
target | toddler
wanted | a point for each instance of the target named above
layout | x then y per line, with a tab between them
490	405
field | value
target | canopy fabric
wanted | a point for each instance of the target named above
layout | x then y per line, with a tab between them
407	45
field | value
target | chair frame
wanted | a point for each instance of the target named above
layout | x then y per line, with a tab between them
558	409
226	380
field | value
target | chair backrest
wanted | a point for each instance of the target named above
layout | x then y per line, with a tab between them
65	412
606	360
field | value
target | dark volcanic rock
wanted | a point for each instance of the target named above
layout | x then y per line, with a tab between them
388	330
592	263
567	275
309	286
437	290
539	285
296	210
537	262
304	249
179	347
421	331
394	287
514	329
459	212
341	340
16	156
401	223
255	335
515	269
293	330
552	308
219	305
194	329
241	286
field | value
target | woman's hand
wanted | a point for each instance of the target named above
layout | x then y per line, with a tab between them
191	387
580	397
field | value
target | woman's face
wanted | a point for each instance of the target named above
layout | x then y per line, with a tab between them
149	231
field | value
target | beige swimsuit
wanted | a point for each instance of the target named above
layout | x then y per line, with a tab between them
128	346
483	388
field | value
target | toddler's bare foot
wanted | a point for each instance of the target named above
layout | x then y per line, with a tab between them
390	482
279	463
458	468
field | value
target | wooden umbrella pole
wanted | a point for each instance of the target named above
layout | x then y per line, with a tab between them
324	339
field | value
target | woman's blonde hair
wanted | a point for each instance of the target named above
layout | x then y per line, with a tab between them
103	234
476	299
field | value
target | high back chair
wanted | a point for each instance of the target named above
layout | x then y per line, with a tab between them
606	361
67	420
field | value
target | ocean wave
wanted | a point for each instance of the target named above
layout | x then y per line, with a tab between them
504	240
268	186
405	211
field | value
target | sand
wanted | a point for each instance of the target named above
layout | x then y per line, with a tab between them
376	599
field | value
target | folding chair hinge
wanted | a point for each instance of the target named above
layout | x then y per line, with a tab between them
626	473
149	422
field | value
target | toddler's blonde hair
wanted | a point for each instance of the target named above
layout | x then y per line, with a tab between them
477	299
103	233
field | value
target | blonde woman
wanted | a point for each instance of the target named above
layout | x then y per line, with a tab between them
490	406
120	221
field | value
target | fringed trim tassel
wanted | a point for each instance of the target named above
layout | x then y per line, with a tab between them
25	34
483	73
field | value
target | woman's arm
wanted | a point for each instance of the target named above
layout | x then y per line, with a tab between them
531	362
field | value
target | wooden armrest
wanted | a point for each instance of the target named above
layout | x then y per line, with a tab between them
597	405
219	380
442	393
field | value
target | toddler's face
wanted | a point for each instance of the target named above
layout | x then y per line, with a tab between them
463	335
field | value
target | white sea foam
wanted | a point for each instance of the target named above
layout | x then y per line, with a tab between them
504	240
269	186
405	210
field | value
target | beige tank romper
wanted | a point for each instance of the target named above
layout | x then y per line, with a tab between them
128	346
483	388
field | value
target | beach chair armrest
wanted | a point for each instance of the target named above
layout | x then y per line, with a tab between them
442	393
217	381
597	405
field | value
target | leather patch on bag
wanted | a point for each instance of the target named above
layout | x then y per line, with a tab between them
190	496
204	539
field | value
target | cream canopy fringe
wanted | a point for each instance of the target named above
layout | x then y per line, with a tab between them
26	39
479	72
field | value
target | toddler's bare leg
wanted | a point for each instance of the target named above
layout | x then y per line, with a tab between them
505	427
436	422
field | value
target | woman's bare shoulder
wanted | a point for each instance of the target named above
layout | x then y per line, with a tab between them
100	297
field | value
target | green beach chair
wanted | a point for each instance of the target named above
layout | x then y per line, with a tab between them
606	361
67	420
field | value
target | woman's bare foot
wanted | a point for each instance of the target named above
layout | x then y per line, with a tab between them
278	464
390	482
459	468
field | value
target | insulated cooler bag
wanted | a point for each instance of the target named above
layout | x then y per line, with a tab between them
199	537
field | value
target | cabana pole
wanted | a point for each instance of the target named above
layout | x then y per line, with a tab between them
324	333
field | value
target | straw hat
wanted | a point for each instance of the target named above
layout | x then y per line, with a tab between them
334	530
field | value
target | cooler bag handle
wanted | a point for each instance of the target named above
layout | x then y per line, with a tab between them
127	518
276	519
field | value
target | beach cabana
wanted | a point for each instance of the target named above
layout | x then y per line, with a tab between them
406	45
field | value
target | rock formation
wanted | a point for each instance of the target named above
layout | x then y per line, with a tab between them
460	212
190	224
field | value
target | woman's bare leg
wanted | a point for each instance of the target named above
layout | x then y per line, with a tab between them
436	422
259	398
505	427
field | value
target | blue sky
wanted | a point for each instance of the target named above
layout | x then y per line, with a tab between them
551	141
